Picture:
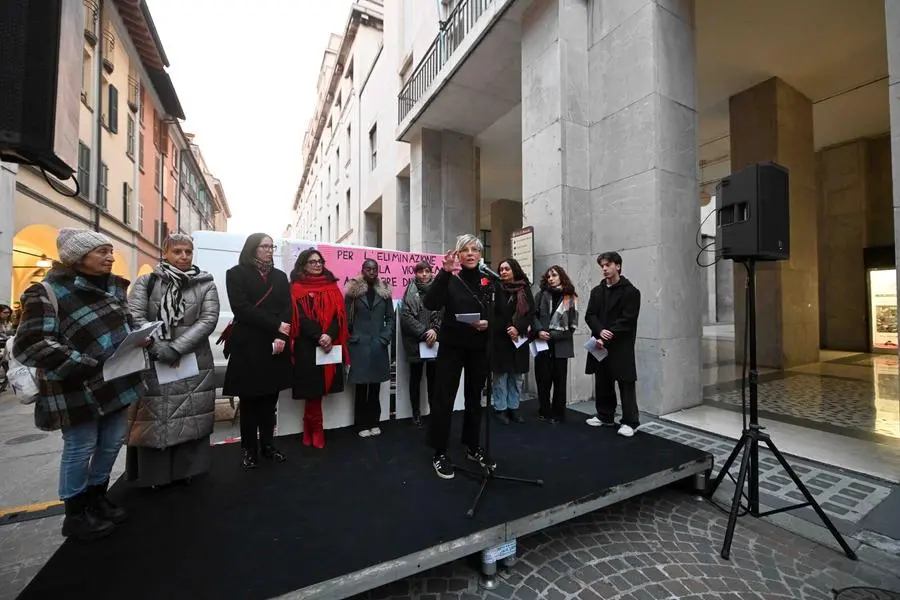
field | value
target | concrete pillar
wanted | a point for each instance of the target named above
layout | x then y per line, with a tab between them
892	31
774	122
7	229
402	216
555	161
506	217
644	182
442	190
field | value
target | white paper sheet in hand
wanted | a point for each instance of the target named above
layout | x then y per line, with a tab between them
186	367
538	346
336	356
595	349
519	341
130	357
468	317
426	352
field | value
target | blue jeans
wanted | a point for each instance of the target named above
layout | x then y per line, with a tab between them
89	452
506	390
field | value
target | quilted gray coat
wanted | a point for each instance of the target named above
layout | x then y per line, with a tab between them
183	410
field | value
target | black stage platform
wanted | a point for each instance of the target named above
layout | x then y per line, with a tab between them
354	516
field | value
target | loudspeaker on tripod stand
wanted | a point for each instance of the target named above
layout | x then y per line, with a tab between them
753	214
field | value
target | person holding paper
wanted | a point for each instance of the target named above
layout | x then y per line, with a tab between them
318	325
419	327
612	315
555	321
463	348
169	429
513	315
258	366
371	322
68	336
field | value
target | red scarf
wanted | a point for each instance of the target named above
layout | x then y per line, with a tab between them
320	299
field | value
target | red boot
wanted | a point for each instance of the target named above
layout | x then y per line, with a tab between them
317	429
307	432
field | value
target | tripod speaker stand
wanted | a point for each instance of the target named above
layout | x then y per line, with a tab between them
751	437
488	472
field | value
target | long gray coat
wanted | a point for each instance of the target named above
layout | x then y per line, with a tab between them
371	331
184	410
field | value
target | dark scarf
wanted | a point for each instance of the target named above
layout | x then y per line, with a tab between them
264	266
517	288
171	305
321	300
422	287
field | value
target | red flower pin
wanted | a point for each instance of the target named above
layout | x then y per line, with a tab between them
484	282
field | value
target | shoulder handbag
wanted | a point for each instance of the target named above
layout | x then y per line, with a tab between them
226	333
24	380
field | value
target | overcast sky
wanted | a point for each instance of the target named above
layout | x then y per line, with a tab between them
245	72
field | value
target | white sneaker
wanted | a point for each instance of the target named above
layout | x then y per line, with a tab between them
596	422
375	431
626	430
365	433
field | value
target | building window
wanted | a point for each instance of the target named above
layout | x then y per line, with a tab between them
373	147
126	203
129	143
347	211
113	119
486	242
337	221
84	170
329	230
349	143
157	171
86	78
103	190
141	218
337	165
141	151
349	72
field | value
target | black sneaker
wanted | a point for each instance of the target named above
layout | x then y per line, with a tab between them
442	466
479	455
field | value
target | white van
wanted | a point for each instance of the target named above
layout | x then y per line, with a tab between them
216	252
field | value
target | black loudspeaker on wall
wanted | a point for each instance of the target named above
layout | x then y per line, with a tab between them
41	44
753	214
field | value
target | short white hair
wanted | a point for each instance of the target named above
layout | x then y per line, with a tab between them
178	239
467	239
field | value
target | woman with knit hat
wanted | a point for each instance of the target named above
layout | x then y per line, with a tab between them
71	323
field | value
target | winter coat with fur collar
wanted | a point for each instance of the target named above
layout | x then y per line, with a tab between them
371	321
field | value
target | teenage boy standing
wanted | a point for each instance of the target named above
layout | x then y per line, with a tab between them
612	315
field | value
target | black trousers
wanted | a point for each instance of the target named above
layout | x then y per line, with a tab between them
367	406
258	421
415	385
605	397
451	362
551	373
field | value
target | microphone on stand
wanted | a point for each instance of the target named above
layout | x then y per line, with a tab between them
486	270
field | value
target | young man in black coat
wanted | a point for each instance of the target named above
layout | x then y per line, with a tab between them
612	315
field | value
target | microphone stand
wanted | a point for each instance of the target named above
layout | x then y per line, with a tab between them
488	473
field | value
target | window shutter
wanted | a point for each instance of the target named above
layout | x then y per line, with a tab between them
113	109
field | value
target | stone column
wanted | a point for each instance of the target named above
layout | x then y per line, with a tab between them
442	190
555	175
645	183
892	30
7	229
506	217
402	216
773	122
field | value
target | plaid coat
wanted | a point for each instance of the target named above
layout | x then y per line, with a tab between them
69	351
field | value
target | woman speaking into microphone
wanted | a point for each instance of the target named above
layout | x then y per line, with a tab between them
463	346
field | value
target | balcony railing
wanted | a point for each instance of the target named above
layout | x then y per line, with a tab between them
134	90
91	14
452	32
109	49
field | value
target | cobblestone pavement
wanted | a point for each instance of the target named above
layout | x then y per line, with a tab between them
659	546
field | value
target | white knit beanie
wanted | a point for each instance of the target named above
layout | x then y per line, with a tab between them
72	244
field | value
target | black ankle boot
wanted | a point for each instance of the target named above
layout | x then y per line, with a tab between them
248	459
103	507
270	452
82	521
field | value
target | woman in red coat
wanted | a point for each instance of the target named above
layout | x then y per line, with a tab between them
319	321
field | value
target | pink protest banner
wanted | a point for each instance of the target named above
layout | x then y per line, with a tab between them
395	267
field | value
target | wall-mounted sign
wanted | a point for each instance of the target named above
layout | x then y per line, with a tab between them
523	249
883	309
